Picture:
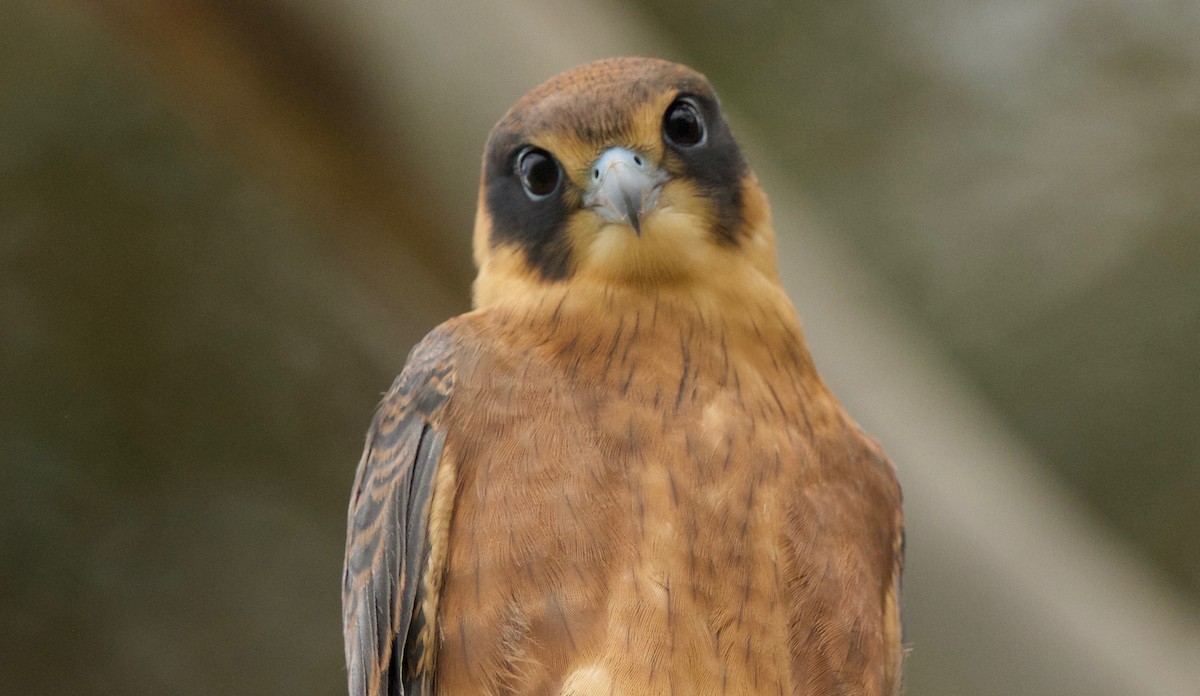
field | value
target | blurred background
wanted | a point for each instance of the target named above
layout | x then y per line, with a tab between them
223	224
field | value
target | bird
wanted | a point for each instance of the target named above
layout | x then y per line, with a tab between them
620	473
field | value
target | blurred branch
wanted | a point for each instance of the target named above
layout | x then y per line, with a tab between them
276	93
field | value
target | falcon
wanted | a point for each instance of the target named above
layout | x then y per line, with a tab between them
620	473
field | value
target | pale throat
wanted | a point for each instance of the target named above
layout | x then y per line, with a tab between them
738	298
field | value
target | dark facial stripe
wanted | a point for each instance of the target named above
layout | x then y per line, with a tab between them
536	227
717	168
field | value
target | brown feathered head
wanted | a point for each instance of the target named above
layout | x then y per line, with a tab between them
621	171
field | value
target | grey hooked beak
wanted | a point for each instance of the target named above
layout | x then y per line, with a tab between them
624	187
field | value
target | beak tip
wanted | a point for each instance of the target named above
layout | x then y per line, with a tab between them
633	211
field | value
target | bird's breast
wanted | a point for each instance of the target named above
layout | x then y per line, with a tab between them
620	525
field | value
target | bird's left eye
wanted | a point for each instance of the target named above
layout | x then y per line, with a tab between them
682	124
538	171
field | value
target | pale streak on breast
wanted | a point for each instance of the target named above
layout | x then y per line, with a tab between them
440	512
592	680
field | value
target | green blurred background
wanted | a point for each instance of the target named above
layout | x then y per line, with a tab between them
222	225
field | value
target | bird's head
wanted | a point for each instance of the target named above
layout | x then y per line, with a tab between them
624	172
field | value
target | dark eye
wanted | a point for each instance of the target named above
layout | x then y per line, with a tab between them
682	124
538	171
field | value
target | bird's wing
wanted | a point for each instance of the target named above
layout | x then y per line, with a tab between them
387	536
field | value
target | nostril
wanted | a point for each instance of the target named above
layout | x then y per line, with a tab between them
637	160
596	173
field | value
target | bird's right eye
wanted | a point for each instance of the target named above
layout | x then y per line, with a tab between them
539	172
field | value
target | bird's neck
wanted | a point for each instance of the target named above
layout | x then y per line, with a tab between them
745	318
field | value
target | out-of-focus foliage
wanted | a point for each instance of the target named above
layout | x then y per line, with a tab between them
182	394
